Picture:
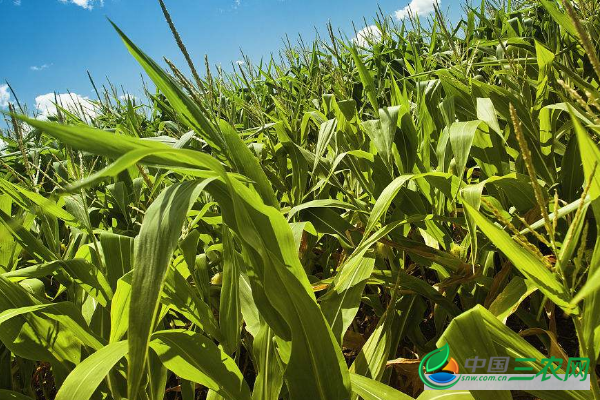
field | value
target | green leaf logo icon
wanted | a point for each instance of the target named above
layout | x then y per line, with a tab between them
437	358
435	361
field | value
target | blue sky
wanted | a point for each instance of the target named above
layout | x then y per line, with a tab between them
50	44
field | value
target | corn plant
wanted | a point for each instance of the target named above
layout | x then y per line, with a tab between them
310	226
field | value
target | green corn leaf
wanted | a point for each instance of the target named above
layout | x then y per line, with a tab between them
300	162
197	359
531	267
22	196
179	295
111	145
326	133
321	203
83	381
188	390
590	156
383	133
221	136
157	376
511	297
269	379
385	201
573	235
8	246
121	164
340	303
25	239
33	337
472	195
370	389
248	307
189	110
36	271
461	140
10	395
381	346
571	171
387	196
487	113
119	310
315	367
65	313
118	256
230	313
88	277
155	244
479	333
366	79
247	164
561	18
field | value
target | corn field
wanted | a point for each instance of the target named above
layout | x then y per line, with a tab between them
310	226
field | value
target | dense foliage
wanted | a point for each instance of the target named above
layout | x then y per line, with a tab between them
308	228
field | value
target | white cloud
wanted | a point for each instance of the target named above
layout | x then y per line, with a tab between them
17	2
369	34
39	68
417	7
4	96
78	105
87	4
127	96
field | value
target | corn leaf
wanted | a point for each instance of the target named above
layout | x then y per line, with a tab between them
197	359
